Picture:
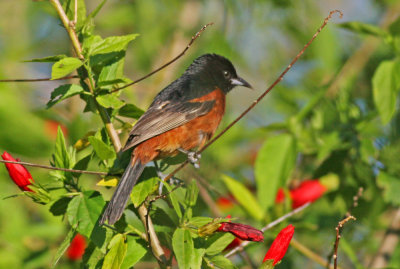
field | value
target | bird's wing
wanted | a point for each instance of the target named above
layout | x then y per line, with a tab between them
161	118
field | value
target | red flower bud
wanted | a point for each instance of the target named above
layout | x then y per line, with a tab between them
241	231
51	127
280	245
225	203
18	173
307	191
280	196
76	249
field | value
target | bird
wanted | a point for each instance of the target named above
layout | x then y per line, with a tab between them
182	118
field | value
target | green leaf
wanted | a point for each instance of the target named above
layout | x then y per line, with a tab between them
47	59
174	200
84	211
112	44
199	221
69	7
59	207
61	156
93	256
217	243
192	192
363	28
116	255
385	85
65	66
109	100
130	111
274	162
146	186
183	246
63	92
63	247
221	262
197	258
135	252
245	198
103	151
391	187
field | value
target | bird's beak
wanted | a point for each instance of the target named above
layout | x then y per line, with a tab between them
240	82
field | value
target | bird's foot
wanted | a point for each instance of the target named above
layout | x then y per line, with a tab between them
193	157
172	181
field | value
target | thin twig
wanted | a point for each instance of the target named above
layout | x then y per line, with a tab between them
37	79
338	236
356	198
267	227
57	168
255	102
168	63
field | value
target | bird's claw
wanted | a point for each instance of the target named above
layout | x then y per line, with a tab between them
194	158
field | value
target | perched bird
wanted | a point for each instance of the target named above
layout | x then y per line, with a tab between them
182	118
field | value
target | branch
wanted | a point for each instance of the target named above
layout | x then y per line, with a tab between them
57	168
168	63
255	102
267	227
338	236
356	198
36	79
112	133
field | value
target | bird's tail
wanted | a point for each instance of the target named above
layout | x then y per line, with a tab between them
121	195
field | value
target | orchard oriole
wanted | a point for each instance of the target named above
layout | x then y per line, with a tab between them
182	118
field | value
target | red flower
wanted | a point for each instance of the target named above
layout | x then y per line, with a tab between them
280	245
307	191
51	127
241	231
225	203
18	173
76	248
280	196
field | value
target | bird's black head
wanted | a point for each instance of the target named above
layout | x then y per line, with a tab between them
212	70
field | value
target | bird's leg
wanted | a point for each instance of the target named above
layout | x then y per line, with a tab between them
193	157
172	180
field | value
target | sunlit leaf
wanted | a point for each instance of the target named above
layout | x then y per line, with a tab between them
63	92
182	244
116	254
385	86
65	66
275	161
245	198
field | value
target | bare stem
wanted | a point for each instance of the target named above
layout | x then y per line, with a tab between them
57	168
255	102
168	63
36	79
338	236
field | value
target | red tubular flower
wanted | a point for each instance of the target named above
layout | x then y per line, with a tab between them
76	249
241	231
280	245
307	191
18	173
51	127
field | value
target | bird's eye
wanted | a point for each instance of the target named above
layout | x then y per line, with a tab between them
227	74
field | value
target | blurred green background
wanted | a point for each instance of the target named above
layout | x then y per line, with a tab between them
341	133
